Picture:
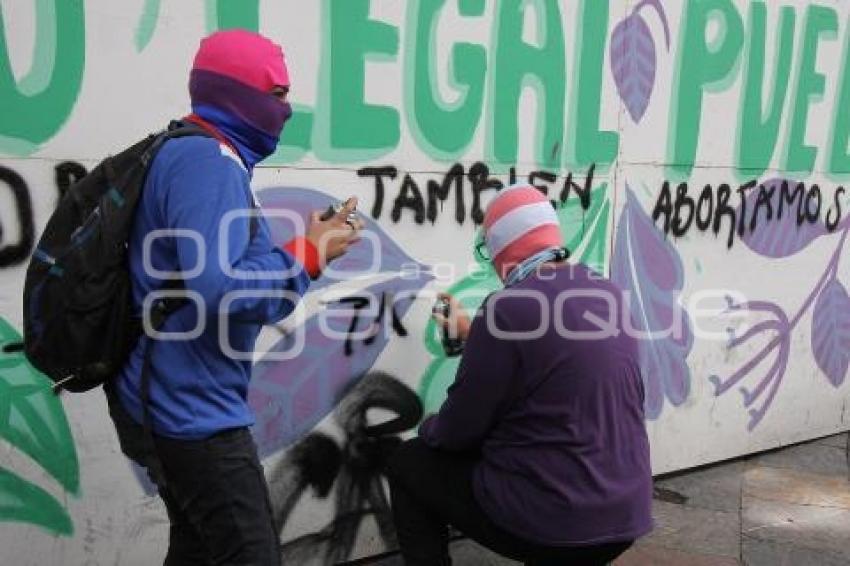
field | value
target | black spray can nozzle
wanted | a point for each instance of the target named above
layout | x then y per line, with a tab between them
330	212
452	345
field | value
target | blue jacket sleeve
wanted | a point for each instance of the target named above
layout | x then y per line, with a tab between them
252	280
485	381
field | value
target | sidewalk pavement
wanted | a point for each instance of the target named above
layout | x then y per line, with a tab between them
790	506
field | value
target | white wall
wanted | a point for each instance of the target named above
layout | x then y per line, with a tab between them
80	80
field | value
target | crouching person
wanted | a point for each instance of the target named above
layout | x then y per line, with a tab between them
539	452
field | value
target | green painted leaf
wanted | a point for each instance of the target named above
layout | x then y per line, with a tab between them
586	231
31	416
147	24
436	381
23	502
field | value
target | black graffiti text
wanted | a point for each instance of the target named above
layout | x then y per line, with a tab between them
724	210
361	302
16	247
68	173
425	198
351	469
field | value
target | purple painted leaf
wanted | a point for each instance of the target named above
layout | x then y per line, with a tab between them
633	62
648	268
662	16
360	257
831	332
773	236
289	397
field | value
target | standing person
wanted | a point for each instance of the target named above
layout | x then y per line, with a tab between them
540	451
203	459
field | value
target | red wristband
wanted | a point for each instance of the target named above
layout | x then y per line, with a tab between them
307	255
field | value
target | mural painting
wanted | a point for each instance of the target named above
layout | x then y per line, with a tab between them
695	152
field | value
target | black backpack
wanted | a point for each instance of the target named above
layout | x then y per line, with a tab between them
79	326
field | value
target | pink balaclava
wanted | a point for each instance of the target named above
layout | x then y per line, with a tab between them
519	223
232	77
243	55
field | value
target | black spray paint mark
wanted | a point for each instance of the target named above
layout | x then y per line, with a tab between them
425	199
410	197
439	191
360	302
19	251
678	211
479	176
380	174
68	173
13	348
354	469
582	192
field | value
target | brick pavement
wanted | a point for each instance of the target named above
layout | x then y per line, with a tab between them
790	506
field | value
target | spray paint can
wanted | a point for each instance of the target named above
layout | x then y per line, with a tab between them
452	345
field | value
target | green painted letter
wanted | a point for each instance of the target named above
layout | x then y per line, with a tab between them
442	128
758	132
348	128
589	145
702	67
517	64
839	160
34	109
230	14
820	21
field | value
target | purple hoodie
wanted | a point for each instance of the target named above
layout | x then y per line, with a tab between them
558	421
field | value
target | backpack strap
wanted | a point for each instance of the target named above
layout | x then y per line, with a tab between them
153	461
162	310
194	125
195	121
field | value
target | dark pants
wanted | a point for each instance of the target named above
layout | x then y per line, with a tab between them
432	489
214	491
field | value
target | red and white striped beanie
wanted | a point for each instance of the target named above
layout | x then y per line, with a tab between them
519	223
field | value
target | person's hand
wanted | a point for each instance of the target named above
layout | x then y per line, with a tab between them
458	321
333	236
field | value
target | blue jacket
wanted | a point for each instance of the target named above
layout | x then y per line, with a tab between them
197	389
